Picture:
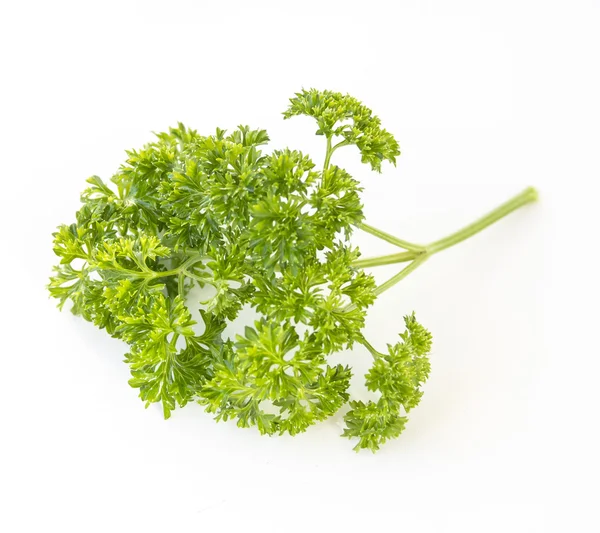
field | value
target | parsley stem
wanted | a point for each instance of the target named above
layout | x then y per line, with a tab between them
401	275
418	261
181	284
391	259
376	354
415	250
328	154
340	144
527	196
419	257
329	151
182	267
390	238
197	278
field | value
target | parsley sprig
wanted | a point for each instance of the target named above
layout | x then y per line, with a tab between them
266	231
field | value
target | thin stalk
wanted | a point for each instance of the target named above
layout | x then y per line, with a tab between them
188	262
173	342
181	284
329	151
339	145
391	259
527	196
375	353
401	275
328	154
390	238
197	278
424	252
394	279
147	274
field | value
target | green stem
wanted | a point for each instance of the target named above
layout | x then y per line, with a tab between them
394	279
149	274
339	145
421	253
196	277
181	284
375	353
390	238
527	196
401	275
391	259
328	154
173	342
174	272
329	151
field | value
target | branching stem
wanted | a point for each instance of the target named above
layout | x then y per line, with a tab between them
330	149
401	275
376	354
416	251
390	238
418	254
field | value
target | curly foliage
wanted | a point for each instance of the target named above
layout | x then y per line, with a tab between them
345	117
397	376
265	231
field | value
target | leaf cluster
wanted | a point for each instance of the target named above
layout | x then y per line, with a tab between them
344	117
397	376
265	231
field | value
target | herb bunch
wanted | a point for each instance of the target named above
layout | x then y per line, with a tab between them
270	232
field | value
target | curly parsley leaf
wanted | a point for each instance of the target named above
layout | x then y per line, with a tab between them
397	376
344	117
269	231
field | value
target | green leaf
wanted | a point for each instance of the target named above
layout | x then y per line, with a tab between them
271	364
344	117
397	376
263	232
161	371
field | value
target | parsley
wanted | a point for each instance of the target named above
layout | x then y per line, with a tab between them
266	231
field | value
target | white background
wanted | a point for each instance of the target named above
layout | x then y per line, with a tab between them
485	99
